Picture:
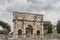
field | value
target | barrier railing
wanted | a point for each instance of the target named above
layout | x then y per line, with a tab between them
31	37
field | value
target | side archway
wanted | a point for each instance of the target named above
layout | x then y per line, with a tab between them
38	32
19	32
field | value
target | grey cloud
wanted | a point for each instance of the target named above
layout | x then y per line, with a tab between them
38	7
2	2
43	1
9	9
43	4
9	1
29	6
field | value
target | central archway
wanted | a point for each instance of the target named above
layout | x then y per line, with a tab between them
29	30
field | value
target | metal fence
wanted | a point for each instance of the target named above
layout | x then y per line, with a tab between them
32	37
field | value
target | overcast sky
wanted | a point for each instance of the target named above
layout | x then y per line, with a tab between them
50	9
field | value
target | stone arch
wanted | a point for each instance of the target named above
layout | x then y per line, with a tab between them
38	32
29	29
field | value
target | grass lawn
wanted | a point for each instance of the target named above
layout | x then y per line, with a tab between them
55	34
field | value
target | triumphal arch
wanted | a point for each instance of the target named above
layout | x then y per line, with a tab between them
27	24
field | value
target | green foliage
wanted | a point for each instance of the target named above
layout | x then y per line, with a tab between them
47	25
6	27
50	29
3	31
55	34
58	27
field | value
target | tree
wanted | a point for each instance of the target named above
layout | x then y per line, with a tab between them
58	27
6	27
47	25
